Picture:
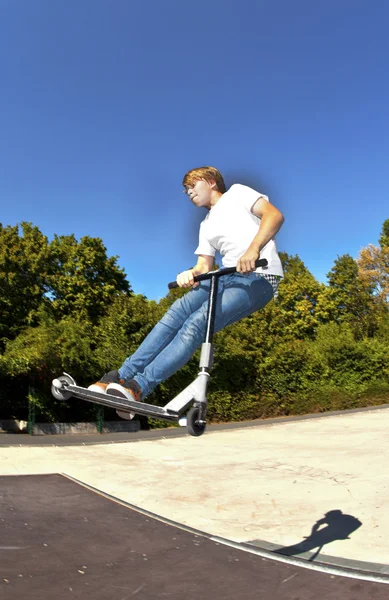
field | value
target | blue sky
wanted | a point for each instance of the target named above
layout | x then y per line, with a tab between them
105	104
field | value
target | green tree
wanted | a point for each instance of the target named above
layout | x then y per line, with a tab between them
384	238
38	354
51	347
23	265
347	298
290	368
127	322
350	364
82	280
293	314
373	262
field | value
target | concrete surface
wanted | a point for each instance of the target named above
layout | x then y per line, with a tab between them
268	483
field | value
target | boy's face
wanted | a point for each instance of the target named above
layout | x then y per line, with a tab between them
200	192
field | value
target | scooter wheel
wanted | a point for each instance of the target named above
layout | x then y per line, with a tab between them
194	427
59	387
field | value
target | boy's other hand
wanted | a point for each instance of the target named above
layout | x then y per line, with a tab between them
246	263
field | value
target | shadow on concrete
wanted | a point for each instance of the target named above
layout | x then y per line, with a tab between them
335	525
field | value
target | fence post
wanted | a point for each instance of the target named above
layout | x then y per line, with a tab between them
31	410
100	418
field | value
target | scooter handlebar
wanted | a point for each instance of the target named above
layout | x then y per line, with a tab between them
261	262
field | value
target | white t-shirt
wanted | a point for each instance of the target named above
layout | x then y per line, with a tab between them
230	227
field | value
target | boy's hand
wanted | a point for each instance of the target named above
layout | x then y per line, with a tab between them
186	279
246	263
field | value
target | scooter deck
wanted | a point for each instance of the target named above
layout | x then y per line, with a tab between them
140	408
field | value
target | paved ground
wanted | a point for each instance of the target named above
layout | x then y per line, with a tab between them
268	484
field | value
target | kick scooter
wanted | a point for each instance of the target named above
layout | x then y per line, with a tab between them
64	387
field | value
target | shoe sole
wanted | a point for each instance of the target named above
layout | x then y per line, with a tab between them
119	391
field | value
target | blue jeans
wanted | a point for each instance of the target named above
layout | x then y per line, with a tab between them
175	338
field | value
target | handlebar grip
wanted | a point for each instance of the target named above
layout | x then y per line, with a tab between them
261	262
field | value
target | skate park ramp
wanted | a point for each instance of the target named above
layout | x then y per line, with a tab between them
62	540
123	520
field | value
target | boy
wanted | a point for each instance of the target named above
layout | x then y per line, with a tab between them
241	224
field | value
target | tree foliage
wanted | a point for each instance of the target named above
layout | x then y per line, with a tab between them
82	280
347	298
384	237
373	263
66	306
23	264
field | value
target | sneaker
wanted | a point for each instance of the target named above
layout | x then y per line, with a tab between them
101	386
131	391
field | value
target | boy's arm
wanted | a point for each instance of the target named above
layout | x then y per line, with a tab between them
271	221
204	265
